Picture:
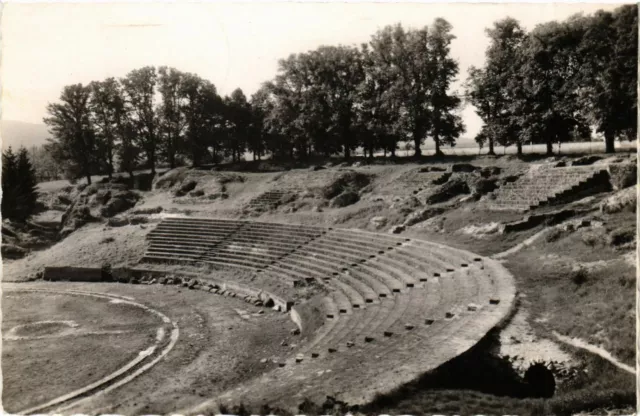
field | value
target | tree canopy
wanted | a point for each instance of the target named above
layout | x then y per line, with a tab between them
555	83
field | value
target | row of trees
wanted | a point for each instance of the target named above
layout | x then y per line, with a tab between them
149	115
338	98
327	101
19	195
552	84
558	81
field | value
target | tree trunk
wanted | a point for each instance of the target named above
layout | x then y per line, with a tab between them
110	162
609	140
416	144
152	160
436	140
88	176
519	147
172	159
549	148
130	174
491	151
195	157
347	153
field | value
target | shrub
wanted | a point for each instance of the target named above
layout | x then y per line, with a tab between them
579	276
106	272
623	175
452	188
344	199
350	181
553	235
622	236
185	188
590	239
147	211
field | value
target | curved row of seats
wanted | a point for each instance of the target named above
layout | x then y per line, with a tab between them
391	302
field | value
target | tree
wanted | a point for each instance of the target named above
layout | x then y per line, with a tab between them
378	108
19	195
269	109
335	73
107	112
487	88
608	74
259	136
545	106
27	195
128	152
238	122
420	72
139	88
172	117
74	142
296	117
377	115
202	109
404	56
444	125
9	181
47	169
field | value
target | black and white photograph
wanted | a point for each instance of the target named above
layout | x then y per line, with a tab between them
319	208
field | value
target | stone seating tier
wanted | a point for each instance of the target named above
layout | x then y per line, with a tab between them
388	300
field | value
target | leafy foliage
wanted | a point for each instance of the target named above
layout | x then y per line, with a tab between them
556	82
19	194
550	85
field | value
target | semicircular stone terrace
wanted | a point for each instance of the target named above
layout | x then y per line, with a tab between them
394	308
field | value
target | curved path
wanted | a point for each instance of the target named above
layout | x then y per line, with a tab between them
601	352
143	362
394	309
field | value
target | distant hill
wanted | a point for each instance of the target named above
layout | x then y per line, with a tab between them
20	133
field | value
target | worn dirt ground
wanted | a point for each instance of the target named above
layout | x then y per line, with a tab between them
217	346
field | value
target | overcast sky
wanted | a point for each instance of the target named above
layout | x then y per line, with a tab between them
48	46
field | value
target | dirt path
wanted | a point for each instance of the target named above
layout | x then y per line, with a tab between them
578	343
522	245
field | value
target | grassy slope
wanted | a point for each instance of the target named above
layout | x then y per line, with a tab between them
598	310
597	303
90	246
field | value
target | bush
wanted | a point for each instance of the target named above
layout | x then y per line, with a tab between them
579	276
590	239
623	175
107	272
146	211
350	181
185	188
483	186
119	202
622	236
554	235
170	178
452	188
463	167
344	199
